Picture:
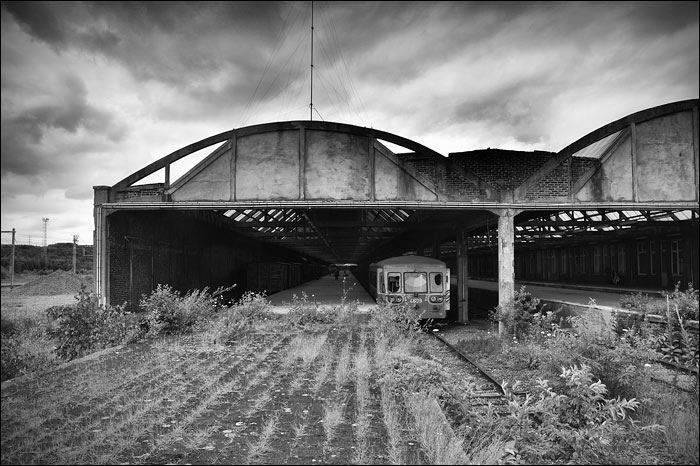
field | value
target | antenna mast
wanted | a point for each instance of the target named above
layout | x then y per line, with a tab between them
311	104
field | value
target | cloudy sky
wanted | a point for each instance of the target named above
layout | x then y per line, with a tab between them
92	92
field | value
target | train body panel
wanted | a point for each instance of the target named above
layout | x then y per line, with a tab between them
423	283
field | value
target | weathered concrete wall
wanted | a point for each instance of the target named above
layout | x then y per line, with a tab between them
664	153
656	162
311	164
213	183
337	166
267	166
613	181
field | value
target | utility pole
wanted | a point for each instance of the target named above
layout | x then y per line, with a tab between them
46	248
75	248
12	259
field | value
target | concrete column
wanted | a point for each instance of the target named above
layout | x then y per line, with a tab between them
462	278
100	246
506	260
436	249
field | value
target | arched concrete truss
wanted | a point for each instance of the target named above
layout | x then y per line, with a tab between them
336	192
646	160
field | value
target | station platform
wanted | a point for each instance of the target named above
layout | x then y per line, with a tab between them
326	291
603	296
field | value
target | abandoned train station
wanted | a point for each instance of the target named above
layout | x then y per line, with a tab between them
273	205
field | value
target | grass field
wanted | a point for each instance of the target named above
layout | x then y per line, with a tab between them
295	389
278	397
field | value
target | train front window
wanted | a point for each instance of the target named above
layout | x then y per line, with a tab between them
415	282
436	282
393	282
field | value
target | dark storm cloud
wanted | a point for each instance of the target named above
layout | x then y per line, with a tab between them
660	18
171	42
67	109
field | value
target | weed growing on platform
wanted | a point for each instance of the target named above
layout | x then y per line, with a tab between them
577	423
238	320
616	362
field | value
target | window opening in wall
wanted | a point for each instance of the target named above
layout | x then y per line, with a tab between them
596	260
621	258
653	258
642	258
563	261
676	257
580	260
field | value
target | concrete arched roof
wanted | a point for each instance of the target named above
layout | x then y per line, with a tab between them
272	127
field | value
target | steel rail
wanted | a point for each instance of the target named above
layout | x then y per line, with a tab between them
481	370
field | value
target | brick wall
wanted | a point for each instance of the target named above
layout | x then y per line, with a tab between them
177	248
146	192
502	169
554	184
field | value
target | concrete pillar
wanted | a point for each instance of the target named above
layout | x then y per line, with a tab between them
100	246
506	260
436	249
462	278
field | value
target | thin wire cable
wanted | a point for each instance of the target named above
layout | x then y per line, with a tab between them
278	45
362	113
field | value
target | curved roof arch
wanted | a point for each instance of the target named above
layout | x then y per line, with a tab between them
267	128
624	122
646	160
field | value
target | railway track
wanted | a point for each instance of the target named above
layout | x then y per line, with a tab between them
488	391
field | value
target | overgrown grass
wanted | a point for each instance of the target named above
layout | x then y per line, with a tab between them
620	361
207	363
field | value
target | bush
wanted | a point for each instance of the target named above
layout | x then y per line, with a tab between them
686	302
241	317
642	303
517	317
168	313
393	321
578	425
26	349
87	327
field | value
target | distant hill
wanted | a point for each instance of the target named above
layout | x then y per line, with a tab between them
59	255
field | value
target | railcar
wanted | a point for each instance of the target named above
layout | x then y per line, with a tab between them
422	283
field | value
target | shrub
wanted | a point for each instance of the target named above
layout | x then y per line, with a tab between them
686	302
641	302
26	349
518	316
305	313
579	425
393	321
241	317
87	327
168	313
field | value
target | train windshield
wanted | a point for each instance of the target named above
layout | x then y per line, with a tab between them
393	282
436	282
415	282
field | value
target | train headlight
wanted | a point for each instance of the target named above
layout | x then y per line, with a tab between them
436	299
395	299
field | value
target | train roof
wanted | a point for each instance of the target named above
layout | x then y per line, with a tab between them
409	260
